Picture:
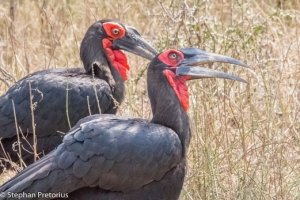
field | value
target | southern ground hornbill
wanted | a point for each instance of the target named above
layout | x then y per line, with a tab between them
110	157
60	97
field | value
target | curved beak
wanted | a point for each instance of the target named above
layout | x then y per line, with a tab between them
195	57
134	43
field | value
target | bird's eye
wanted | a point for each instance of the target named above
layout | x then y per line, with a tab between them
173	56
115	31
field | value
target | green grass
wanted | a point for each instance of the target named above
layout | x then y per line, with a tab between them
246	140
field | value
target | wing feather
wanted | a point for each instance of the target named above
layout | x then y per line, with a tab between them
110	152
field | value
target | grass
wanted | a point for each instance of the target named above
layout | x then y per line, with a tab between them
246	140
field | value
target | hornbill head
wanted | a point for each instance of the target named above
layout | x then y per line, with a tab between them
103	41
178	66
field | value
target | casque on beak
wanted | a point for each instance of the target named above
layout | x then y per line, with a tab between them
195	57
134	43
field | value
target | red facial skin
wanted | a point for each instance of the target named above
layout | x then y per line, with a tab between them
178	83
173	58
114	30
116	57
166	57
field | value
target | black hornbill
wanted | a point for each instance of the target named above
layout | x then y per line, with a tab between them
111	157
60	97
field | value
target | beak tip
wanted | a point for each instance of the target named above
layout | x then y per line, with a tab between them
245	65
244	81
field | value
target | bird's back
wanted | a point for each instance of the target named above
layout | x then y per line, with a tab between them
109	157
59	98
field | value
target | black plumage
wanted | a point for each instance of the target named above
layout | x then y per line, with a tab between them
108	152
110	157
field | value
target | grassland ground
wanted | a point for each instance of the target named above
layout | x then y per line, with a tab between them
246	137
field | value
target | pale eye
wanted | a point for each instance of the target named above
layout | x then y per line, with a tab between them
173	56
115	31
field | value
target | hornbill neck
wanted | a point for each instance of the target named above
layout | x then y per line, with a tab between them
91	51
166	108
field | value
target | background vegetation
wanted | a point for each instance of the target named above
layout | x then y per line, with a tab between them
246	141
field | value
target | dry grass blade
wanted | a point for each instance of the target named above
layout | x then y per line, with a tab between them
34	142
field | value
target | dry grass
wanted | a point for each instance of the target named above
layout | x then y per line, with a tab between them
246	141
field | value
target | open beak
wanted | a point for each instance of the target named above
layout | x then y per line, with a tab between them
134	43
195	57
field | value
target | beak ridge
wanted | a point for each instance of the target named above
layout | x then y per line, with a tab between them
134	43
197	56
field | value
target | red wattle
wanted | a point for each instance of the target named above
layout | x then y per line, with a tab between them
117	58
178	83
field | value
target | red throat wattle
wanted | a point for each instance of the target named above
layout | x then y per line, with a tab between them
178	83
117	58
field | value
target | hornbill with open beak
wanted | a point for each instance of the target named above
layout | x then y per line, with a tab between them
60	97
111	157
